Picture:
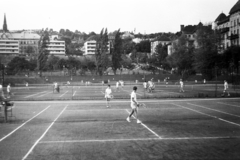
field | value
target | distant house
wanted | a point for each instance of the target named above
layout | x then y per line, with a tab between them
127	35
164	40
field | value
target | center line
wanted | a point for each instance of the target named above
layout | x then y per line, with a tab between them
146	127
31	149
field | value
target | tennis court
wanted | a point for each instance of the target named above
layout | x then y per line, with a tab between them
96	91
170	129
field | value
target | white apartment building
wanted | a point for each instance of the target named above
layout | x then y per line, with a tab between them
56	48
90	47
19	42
9	47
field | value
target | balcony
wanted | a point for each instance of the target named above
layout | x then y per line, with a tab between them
233	36
223	30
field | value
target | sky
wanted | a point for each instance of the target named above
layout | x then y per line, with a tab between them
143	16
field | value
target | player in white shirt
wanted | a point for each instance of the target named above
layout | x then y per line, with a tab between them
225	85
108	95
9	90
145	85
134	105
181	86
117	86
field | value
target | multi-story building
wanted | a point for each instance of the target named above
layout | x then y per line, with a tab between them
164	40
228	27
56	48
26	43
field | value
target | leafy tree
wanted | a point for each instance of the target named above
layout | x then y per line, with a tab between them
17	64
52	62
206	54
101	51
161	55
117	52
29	50
43	52
182	57
144	46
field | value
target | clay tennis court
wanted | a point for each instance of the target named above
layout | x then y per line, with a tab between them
170	129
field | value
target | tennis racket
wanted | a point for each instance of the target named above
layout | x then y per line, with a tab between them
142	105
111	96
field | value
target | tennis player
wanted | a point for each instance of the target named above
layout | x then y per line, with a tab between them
181	86
225	85
117	86
134	105
9	90
145	85
108	95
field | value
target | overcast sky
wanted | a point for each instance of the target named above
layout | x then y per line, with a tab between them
146	16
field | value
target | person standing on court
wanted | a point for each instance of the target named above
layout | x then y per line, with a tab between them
225	90
181	86
9	90
108	95
134	104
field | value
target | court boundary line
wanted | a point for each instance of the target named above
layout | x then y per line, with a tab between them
23	124
44	94
229	104
63	94
141	139
115	109
208	115
146	126
214	110
35	94
35	144
145	101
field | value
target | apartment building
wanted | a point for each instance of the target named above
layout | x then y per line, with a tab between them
228	27
90	47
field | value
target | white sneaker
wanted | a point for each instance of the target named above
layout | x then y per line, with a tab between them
138	121
128	119
107	107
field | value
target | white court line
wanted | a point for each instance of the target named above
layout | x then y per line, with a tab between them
35	94
207	115
23	124
74	93
31	149
214	110
139	139
63	94
44	94
121	101
146	126
229	104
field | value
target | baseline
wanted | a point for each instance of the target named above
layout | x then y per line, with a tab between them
140	139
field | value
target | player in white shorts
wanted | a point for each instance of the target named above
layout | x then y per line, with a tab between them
225	85
108	95
181	86
134	105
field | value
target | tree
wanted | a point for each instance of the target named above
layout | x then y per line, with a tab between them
52	62
17	64
43	52
29	50
144	46
182	57
101	51
206	54
117	51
